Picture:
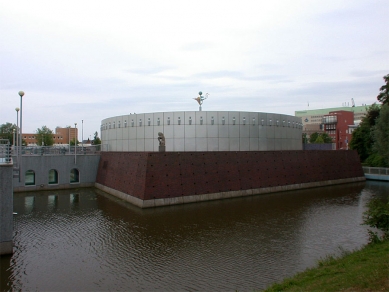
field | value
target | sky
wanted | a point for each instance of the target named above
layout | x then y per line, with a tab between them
83	61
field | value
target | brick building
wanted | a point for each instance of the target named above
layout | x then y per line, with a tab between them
62	136
337	125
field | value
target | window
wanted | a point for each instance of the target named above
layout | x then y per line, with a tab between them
29	179
74	176
53	177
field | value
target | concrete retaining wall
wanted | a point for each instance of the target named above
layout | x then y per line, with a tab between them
6	209
86	165
149	179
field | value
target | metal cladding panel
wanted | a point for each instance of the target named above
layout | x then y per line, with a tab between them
126	134
113	145
244	144
278	144
140	145
125	145
119	145
190	144
213	144
233	131
132	145
270	132
224	144
132	133
168	131
254	144
149	144
270	144
234	144
179	144
212	116
119	133
201	144
149	119
160	117
262	144
223	131
179	131
254	131
212	131
149	132
190	131
233	117
169	143
244	131
262	131
201	116
178	116
140	118
223	117
190	116
201	130
140	132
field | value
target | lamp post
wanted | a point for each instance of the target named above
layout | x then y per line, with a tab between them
75	144
69	140
13	135
17	132
21	93
82	136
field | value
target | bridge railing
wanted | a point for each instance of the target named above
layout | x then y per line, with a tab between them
60	150
5	151
376	170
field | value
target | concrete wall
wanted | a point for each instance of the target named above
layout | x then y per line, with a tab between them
144	178
6	209
202	131
41	164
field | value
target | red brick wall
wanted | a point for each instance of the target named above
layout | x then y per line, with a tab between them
149	175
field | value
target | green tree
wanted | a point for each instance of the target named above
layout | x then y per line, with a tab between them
326	138
7	132
313	137
377	216
44	136
319	140
96	139
72	142
362	137
381	134
383	96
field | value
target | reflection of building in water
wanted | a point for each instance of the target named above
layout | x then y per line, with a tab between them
202	131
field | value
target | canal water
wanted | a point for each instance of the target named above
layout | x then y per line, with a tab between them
85	240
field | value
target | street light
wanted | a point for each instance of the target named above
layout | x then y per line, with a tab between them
75	144
21	93
82	136
17	132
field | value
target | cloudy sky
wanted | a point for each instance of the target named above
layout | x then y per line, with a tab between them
89	60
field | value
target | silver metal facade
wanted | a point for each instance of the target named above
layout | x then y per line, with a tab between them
202	131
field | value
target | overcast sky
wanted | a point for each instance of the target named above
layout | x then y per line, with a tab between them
89	60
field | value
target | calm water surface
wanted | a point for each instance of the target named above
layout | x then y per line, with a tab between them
86	240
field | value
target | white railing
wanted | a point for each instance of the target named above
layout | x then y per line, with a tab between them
376	170
5	151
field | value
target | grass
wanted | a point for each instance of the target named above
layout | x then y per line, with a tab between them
363	270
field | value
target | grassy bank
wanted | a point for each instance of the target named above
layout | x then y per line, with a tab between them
363	270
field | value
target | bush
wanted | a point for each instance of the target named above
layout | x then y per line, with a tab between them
377	216
376	160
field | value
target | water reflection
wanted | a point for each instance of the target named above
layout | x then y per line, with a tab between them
87	240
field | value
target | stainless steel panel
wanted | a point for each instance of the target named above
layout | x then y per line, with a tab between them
190	144
254	144
212	131
223	131
224	144
178	131
244	144
201	144
179	144
190	131
213	144
234	144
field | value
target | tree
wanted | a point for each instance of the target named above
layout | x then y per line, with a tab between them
72	142
96	139
7	131
44	136
381	134
362	137
313	137
326	138
383	96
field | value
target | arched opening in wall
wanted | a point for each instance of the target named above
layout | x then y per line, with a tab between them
53	177
29	178
74	176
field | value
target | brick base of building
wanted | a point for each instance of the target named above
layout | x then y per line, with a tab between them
151	179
